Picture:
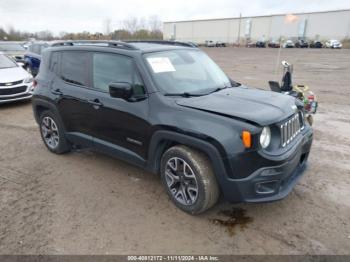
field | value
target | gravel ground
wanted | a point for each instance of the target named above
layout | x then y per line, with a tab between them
88	203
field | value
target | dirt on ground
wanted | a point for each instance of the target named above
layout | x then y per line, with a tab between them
89	203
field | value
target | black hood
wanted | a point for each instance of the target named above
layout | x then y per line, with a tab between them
254	105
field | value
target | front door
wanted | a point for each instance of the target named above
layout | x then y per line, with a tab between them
118	124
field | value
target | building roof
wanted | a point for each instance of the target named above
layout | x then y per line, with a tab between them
256	16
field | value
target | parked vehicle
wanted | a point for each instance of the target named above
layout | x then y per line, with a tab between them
13	49
316	44
209	43
335	44
220	44
191	44
251	44
288	44
15	82
274	44
171	110
261	44
32	57
302	44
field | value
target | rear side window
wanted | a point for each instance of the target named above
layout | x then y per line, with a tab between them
75	67
111	68
54	62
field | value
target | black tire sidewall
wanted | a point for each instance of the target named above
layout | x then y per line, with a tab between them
198	205
62	144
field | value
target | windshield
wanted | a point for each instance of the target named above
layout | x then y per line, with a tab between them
6	62
11	47
185	71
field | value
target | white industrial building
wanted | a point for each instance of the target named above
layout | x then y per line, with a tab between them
312	26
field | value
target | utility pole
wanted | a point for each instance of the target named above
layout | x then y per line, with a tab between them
239	29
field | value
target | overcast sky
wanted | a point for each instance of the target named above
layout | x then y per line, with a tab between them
89	15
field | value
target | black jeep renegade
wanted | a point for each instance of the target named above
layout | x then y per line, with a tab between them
170	109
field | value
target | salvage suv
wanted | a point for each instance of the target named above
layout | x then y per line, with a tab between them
171	110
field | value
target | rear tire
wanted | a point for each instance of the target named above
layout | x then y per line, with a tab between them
189	179
52	133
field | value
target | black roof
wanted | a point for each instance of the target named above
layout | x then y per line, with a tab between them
147	46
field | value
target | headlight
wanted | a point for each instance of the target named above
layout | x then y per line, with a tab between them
265	137
28	80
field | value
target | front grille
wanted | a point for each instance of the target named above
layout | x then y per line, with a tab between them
291	128
12	91
11	83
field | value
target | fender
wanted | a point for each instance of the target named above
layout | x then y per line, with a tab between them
44	103
155	151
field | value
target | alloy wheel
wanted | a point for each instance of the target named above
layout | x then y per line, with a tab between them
181	181
49	132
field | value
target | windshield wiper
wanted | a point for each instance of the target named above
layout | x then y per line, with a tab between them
218	89
184	94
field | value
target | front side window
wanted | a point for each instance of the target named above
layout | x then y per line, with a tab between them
180	71
111	68
75	67
6	62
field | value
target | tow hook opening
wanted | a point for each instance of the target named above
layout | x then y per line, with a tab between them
303	159
268	187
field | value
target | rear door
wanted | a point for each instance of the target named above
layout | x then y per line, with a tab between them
72	91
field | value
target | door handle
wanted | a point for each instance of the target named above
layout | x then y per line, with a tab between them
57	92
96	103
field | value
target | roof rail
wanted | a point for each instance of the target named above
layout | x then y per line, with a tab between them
164	42
116	44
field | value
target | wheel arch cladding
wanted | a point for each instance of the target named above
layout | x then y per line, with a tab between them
40	105
168	138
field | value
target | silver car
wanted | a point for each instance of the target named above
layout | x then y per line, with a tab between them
15	82
13	49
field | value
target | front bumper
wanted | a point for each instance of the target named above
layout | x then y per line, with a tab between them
24	94
272	181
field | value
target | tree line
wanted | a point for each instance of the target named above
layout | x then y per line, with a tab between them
129	29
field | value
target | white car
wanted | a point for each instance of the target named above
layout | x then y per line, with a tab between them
209	43
288	44
15	82
333	44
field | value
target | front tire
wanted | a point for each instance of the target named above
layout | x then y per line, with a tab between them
189	179
52	133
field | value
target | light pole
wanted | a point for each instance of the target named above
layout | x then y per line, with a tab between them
239	29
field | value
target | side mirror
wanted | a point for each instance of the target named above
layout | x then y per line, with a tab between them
121	90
